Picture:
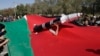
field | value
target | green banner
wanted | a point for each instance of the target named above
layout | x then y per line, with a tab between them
19	39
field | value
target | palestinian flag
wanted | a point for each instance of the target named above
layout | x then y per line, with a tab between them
71	40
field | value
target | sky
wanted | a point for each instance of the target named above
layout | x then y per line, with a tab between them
12	3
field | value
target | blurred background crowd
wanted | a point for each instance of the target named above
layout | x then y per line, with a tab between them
88	20
9	18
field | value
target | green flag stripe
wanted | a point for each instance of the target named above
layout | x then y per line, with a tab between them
18	34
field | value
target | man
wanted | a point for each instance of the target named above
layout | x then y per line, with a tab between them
3	40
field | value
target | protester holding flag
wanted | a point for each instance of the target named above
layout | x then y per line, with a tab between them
3	40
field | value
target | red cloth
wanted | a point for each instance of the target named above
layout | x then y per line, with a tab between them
71	40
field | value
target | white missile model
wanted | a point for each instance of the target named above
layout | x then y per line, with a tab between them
64	18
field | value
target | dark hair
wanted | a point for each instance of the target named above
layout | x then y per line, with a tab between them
2	26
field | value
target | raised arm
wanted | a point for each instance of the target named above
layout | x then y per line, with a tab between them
55	32
3	41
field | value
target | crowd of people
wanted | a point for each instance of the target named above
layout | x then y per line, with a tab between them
87	20
8	18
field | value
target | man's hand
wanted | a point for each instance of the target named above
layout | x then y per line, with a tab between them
4	42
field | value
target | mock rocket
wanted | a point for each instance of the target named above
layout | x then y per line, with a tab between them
64	18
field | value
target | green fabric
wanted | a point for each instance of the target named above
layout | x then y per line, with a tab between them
18	34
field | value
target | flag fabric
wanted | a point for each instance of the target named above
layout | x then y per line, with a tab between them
71	40
19	39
